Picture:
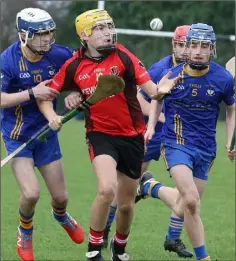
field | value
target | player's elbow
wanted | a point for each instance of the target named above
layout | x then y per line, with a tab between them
5	102
230	110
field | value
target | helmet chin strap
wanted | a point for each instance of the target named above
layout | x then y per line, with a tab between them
198	66
41	52
106	50
180	60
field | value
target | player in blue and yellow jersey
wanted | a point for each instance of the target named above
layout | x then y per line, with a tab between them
26	66
166	194
191	113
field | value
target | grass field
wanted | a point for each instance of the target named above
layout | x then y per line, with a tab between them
151	216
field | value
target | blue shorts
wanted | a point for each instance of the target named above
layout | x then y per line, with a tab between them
153	151
41	152
199	161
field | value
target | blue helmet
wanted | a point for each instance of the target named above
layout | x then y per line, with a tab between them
201	33
33	21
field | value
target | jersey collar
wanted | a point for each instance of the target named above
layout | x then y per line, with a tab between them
197	73
27	58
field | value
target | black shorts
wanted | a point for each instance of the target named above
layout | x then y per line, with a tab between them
128	152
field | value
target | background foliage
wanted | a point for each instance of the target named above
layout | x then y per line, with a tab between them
132	15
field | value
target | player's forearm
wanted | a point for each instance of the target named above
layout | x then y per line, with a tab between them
46	108
145	106
230	124
12	99
154	113
150	88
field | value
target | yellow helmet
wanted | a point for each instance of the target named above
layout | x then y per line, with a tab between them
87	20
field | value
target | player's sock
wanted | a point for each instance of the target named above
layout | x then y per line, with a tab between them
95	240
60	214
120	243
151	188
111	216
201	253
26	223
175	228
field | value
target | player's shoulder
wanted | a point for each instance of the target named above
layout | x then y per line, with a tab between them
121	48
60	50
11	51
219	72
175	70
164	63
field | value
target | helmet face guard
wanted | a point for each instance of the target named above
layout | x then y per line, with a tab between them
179	43
200	43
105	30
99	26
38	28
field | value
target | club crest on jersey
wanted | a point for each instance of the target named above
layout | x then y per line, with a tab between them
51	73
51	70
115	70
210	92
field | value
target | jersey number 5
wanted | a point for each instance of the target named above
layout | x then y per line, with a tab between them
194	92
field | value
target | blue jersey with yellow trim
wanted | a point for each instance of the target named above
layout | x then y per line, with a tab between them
18	74
155	71
192	108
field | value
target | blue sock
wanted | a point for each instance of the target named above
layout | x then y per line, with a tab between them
200	252
60	214
26	223
175	228
154	190
111	216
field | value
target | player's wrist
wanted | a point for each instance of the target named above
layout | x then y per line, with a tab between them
51	115
31	94
150	126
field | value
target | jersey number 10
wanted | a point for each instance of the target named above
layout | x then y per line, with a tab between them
37	78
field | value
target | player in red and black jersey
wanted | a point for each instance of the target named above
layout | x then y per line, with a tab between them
114	125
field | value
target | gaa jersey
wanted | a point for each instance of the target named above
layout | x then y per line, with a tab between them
155	72
192	108
18	74
119	115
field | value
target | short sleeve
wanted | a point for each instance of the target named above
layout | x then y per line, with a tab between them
229	92
6	75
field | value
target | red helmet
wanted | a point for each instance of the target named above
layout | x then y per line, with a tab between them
180	33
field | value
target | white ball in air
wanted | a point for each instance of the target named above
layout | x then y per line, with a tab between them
156	24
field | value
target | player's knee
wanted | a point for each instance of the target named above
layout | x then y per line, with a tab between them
126	207
192	202
60	199
31	196
107	193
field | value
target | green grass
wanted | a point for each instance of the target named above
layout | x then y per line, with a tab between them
151	216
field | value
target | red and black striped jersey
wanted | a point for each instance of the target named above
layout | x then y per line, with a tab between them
117	115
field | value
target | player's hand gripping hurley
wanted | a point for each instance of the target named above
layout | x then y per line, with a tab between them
108	85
